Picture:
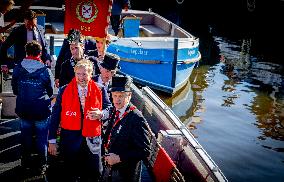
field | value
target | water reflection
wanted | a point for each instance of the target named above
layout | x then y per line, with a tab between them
237	103
267	78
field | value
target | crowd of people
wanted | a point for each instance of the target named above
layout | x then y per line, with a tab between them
102	136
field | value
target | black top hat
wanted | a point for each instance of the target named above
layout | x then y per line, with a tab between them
120	84
110	61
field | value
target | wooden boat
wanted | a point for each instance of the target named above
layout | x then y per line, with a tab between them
155	51
172	144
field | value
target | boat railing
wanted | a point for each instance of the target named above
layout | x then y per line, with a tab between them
153	100
43	7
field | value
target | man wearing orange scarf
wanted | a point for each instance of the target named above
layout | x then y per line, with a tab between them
78	109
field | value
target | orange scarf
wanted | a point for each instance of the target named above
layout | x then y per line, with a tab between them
71	110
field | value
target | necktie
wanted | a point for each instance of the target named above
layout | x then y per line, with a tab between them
116	117
83	98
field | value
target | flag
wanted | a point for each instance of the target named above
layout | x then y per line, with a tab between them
91	17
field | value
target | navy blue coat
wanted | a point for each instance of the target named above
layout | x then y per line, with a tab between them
32	82
65	54
18	38
118	5
56	110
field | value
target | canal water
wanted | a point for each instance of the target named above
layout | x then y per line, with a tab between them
234	100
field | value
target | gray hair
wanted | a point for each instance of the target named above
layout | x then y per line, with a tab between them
85	63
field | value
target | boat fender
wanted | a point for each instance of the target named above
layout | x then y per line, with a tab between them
164	168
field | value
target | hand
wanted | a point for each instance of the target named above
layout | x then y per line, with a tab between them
112	159
52	148
48	63
56	82
94	114
4	69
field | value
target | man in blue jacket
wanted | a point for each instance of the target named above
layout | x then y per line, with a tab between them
32	83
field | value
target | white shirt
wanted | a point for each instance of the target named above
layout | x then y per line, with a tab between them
106	113
122	111
1	24
31	33
2	20
80	90
102	83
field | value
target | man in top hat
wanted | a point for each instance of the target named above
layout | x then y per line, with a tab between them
21	35
76	47
65	52
108	68
127	138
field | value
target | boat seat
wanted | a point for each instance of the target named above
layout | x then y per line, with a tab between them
153	31
57	27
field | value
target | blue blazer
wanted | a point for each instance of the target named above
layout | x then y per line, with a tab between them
18	38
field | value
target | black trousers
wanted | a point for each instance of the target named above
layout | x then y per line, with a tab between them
79	161
115	23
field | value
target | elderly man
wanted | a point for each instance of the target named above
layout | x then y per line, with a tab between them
127	138
20	36
78	109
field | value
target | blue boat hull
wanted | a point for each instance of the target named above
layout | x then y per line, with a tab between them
151	62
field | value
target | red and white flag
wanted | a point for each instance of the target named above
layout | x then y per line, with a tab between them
91	17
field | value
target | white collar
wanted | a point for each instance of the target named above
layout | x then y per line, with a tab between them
122	110
100	80
80	89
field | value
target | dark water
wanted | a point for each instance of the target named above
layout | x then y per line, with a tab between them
234	101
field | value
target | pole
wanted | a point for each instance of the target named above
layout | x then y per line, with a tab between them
174	68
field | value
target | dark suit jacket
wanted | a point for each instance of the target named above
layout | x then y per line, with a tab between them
108	97
65	53
130	139
18	38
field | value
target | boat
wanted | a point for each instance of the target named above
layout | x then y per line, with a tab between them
154	51
172	143
185	157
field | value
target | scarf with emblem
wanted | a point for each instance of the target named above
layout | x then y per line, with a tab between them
71	116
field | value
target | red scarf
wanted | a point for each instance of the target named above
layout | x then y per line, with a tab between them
71	110
37	58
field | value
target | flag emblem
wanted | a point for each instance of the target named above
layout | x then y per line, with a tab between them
86	11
